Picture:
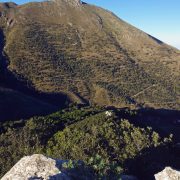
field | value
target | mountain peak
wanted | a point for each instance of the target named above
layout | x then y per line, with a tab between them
7	5
69	2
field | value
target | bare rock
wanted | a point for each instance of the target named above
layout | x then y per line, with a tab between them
75	3
168	174
34	167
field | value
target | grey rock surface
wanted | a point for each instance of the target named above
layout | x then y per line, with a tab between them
168	174
36	167
75	3
40	167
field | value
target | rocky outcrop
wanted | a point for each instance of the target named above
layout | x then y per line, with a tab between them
36	166
75	3
168	174
7	12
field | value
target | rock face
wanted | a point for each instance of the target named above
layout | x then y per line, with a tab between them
36	166
168	174
69	2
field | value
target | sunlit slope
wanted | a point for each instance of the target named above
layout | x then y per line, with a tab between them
91	55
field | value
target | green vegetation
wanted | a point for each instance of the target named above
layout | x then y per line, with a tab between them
108	146
98	134
51	54
95	168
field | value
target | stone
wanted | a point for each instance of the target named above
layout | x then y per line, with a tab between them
168	174
36	167
75	3
109	113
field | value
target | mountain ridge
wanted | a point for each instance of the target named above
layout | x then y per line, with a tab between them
89	54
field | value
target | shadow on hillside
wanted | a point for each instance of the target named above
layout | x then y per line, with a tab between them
2	62
153	160
34	102
148	114
17	106
155	39
54	101
9	80
164	121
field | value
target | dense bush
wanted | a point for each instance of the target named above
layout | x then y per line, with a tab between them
81	134
14	145
113	139
95	168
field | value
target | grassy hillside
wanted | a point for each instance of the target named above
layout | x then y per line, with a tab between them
90	55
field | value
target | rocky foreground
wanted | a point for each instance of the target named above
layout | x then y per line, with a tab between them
38	166
168	174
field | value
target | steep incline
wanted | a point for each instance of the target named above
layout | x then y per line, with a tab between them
65	46
14	104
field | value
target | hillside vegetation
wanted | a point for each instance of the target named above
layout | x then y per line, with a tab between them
79	83
87	54
107	143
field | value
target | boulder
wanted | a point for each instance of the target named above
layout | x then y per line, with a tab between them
38	167
34	167
75	3
168	174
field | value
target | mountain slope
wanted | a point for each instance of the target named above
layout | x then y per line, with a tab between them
89	54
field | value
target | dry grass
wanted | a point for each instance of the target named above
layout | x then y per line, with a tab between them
59	48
